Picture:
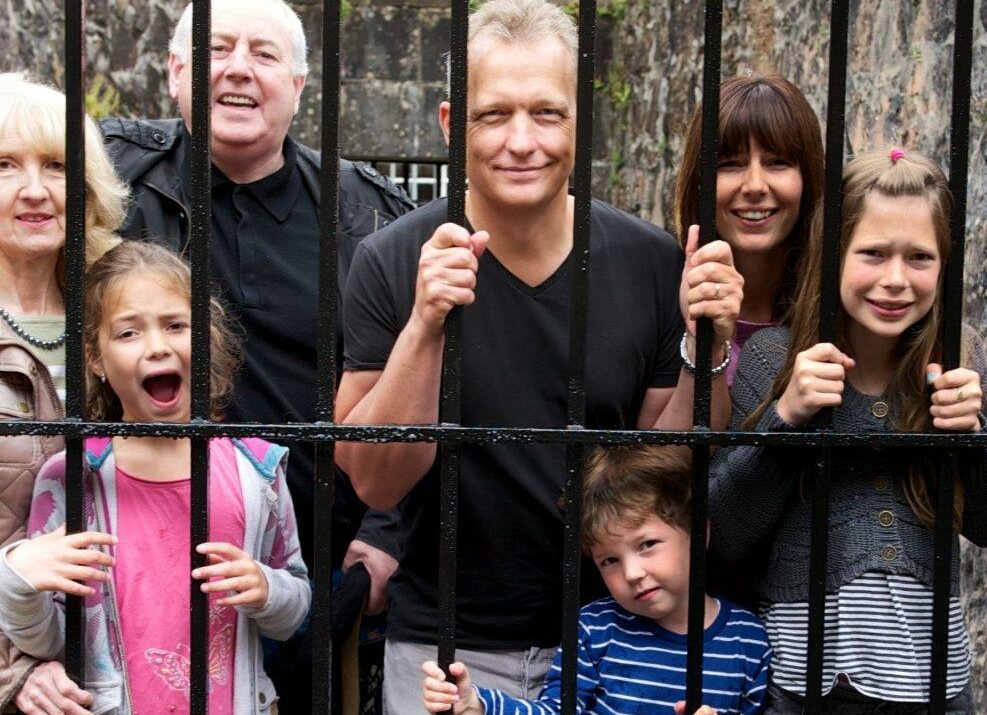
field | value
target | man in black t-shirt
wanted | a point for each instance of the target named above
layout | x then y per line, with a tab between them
512	271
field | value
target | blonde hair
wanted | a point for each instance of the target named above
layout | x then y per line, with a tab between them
108	274
32	117
624	486
908	174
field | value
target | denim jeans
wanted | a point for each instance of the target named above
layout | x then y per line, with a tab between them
844	700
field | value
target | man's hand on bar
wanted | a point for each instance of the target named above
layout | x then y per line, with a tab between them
447	273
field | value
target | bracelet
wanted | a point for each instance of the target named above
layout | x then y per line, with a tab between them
690	366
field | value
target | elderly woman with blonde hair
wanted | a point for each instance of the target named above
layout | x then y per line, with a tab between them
32	325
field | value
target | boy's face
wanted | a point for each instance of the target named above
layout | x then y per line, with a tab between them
646	569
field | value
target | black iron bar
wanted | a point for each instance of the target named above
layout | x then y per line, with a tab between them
576	393
959	147
450	404
829	307
327	358
311	431
199	253
75	251
708	157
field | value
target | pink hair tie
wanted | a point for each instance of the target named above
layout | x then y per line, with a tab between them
896	154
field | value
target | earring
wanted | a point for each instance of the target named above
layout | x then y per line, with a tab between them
102	377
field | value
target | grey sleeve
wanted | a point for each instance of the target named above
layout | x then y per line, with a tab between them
750	487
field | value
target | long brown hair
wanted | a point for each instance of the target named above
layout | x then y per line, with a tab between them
106	274
773	112
911	175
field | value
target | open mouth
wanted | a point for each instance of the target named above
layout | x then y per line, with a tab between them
236	100
163	389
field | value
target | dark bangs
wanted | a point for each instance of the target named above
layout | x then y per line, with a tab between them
758	111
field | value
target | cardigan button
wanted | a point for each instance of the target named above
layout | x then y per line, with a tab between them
889	553
33	369
22	406
885	518
881	484
262	698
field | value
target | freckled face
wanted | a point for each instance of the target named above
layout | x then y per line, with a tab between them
891	268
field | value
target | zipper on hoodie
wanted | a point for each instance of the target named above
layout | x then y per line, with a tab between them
97	502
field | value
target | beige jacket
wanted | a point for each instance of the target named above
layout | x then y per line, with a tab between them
27	392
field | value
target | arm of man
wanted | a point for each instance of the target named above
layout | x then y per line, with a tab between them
406	390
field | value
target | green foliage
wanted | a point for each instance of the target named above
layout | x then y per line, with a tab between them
616	164
345	10
102	98
571	9
615	9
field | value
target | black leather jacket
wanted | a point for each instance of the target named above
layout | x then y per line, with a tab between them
151	155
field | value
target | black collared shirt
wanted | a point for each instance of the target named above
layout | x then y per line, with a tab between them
265	262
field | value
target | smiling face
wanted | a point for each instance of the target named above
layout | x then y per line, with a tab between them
145	346
890	269
646	570
32	204
758	197
521	121
253	89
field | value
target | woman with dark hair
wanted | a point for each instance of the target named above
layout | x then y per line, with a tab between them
769	179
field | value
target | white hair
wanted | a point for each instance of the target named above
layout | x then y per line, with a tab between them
181	41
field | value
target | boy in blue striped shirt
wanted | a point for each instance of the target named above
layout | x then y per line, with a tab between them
632	646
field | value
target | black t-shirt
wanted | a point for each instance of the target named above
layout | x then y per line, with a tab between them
515	344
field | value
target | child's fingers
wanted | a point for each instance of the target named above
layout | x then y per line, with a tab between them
223	549
253	597
827	352
954	378
969	423
83	573
93	557
70	587
85	539
434	685
238	584
224	569
431	669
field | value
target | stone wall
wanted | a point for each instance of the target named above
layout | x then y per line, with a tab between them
648	80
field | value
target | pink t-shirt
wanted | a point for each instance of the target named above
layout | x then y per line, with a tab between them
152	585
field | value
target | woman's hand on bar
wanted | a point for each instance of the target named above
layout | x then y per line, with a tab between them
711	288
817	381
442	696
235	571
57	562
956	399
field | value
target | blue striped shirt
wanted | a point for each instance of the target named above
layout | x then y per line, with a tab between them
629	664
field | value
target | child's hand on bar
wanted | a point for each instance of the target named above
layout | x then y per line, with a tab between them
442	696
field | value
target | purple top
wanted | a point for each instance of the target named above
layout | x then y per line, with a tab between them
744	330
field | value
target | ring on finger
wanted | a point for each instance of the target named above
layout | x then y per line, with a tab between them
959	395
716	291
